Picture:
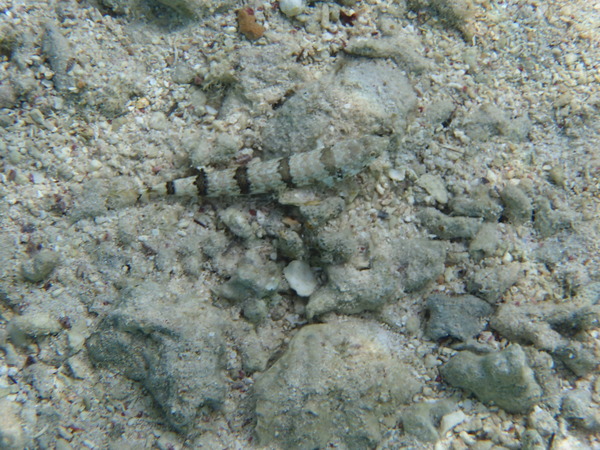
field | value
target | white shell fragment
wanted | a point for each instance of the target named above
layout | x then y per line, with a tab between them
291	8
300	278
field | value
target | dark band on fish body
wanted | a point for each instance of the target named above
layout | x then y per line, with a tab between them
170	185
328	160
241	177
285	173
201	183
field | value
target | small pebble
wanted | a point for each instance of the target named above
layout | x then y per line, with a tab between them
557	176
142	103
40	266
291	8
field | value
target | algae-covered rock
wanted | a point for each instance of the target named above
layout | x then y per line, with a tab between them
548	220
58	52
490	283
504	378
549	327
363	97
446	227
338	383
434	185
418	262
423	419
350	290
486	242
254	278
579	409
173	346
40	266
518	207
460	317
33	326
479	204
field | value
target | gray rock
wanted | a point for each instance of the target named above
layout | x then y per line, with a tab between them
402	48
489	121
518	128
581	358
363	97
491	283
434	185
518	208
183	73
338	383
460	317
117	7
439	111
172	345
418	262
423	419
40	266
454	13
41	377
331	247
557	176
575	320
532	440
12	433
255	310
549	221
90	200
8	95
503	378
446	227
255	355
350	290
60	56
238	222
317	215
486	242
478	204
290	244
32	325
578	408
537	324
543	422
253	279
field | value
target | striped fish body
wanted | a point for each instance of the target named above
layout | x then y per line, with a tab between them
324	166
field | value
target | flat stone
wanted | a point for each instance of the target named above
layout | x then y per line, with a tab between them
503	378
337	382
172	346
460	317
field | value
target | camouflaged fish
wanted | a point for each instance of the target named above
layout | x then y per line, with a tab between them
325	166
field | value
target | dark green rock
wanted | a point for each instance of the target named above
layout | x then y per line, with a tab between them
503	378
460	317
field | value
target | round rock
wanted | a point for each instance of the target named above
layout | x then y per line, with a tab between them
340	383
